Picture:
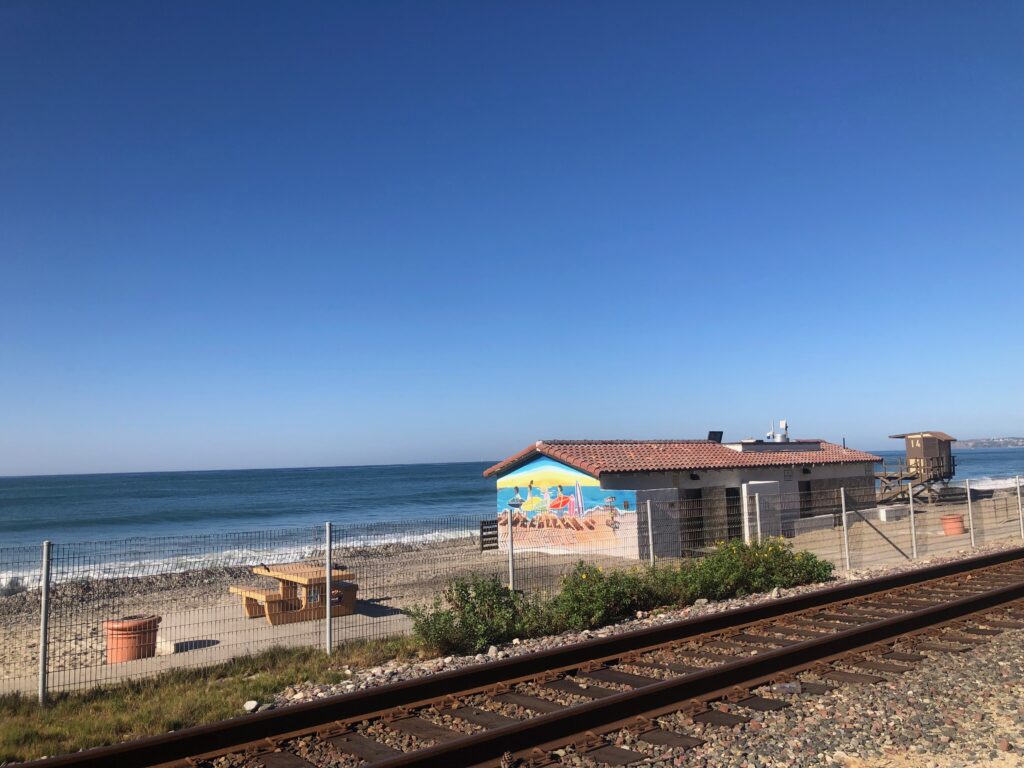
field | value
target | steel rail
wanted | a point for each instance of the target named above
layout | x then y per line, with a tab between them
622	709
171	748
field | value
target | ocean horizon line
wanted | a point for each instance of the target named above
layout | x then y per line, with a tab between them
371	465
129	473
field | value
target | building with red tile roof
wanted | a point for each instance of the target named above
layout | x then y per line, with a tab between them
599	457
701	489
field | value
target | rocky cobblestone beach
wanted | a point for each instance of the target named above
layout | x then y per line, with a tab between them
390	577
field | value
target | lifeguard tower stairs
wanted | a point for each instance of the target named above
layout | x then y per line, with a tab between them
925	472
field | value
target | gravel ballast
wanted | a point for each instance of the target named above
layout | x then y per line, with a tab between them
952	710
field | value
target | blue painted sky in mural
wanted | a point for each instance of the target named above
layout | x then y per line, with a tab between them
547	485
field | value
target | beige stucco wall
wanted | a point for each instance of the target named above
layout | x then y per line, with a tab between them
825	476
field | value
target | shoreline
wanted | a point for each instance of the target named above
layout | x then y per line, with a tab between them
89	510
202	621
246	547
196	604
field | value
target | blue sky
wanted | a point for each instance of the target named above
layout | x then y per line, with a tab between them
280	234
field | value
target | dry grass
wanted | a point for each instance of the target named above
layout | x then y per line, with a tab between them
175	700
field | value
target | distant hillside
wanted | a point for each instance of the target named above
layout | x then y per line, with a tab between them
991	442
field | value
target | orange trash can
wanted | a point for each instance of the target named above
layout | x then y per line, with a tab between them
130	638
953	525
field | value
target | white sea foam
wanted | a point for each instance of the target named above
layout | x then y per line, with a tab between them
138	562
992	483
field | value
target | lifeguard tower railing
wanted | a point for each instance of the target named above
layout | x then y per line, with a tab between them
919	474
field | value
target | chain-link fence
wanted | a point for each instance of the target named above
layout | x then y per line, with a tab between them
112	611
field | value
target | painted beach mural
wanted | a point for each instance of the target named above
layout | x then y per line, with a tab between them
555	507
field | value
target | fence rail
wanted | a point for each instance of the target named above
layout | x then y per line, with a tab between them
63	606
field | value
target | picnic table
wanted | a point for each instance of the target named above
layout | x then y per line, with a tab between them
300	594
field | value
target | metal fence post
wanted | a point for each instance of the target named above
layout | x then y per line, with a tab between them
757	513
970	510
746	516
913	524
846	530
1020	508
44	621
650	532
511	555
328	572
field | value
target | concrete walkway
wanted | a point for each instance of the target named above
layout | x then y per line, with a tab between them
202	637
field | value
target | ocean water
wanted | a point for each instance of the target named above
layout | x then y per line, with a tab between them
71	508
984	467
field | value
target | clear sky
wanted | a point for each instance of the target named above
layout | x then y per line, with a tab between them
278	234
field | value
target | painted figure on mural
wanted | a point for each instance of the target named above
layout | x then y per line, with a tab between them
516	501
561	501
560	508
533	503
612	520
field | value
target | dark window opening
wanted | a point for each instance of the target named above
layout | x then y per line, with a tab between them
733	513
806	498
691	521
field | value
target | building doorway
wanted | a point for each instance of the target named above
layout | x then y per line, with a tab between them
806	498
691	521
733	513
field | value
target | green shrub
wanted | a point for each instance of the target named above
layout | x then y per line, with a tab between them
590	598
736	569
477	612
474	613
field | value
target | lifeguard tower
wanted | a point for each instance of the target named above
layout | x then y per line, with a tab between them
929	461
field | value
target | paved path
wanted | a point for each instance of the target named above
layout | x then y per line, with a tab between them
197	638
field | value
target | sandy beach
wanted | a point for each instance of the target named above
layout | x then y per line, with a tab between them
390	577
203	623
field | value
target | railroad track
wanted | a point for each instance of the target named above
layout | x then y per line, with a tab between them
640	689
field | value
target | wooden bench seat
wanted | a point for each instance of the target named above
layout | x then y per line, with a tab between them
280	609
343	598
259	601
256	593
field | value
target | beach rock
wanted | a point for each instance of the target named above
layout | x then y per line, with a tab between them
252	705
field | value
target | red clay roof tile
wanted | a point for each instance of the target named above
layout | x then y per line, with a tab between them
596	457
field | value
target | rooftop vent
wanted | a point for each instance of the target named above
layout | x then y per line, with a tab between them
778	437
